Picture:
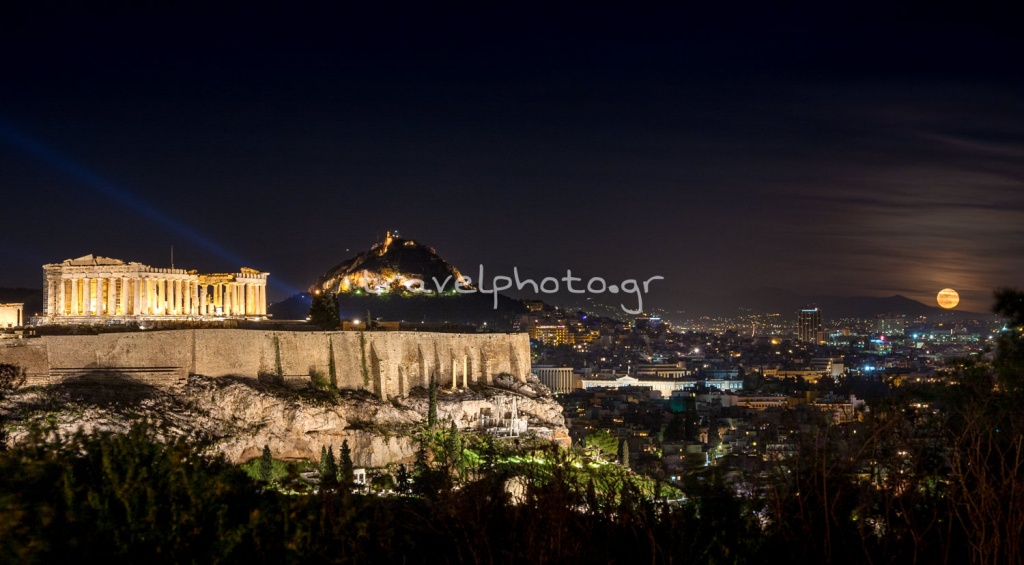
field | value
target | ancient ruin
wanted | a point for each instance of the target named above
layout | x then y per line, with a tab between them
11	315
93	290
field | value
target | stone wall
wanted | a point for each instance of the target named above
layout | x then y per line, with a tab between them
385	363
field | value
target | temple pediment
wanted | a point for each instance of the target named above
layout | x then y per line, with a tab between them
91	260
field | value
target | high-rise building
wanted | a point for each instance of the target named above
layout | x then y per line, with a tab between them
890	325
808	324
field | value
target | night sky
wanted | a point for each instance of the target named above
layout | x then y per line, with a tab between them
843	152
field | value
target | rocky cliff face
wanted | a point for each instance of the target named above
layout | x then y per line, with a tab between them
237	417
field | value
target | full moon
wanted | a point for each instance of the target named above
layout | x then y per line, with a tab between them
948	298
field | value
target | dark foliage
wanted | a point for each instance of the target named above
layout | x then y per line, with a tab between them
323	312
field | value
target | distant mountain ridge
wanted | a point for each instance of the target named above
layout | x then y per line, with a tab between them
769	300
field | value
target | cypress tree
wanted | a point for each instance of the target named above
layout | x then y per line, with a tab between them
323	311
432	405
346	471
265	468
329	471
402	479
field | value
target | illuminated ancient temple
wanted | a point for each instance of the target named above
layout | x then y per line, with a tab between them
94	289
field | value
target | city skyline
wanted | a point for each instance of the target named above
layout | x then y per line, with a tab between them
851	154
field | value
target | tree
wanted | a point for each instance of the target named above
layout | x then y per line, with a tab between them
11	377
402	479
346	472
452	445
432	404
265	469
1009	361
323	311
604	441
987	452
328	468
624	453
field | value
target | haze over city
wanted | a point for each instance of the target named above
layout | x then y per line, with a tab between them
866	152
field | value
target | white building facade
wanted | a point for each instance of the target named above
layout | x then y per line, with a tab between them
664	386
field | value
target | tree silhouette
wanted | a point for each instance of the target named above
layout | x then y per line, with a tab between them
346	474
432	404
1009	361
323	311
265	468
328	469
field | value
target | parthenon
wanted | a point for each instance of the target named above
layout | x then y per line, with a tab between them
93	289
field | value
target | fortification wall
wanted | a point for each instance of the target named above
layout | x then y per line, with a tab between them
384	363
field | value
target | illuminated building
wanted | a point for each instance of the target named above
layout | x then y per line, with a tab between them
534	305
551	334
890	325
808	323
663	386
11	315
92	290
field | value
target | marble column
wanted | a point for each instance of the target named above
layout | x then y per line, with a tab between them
51	297
124	297
156	296
111	296
74	297
154	286
86	297
61	298
178	302
143	297
165	303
